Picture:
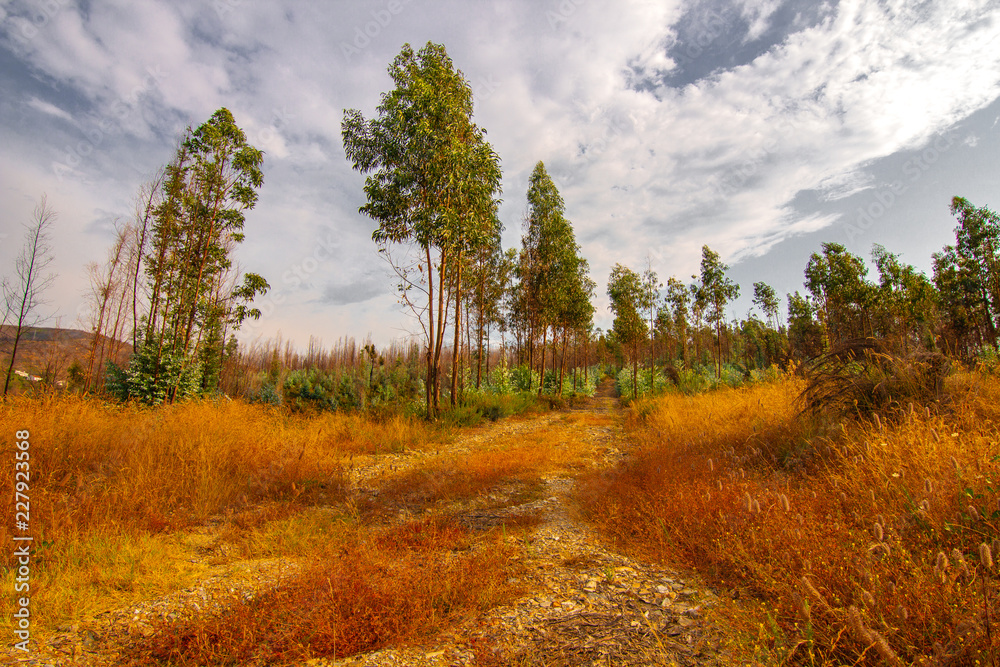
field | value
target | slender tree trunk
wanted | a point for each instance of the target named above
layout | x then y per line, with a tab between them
429	388
635	370
541	377
439	334
562	363
458	329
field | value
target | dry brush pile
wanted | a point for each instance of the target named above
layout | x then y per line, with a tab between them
856	542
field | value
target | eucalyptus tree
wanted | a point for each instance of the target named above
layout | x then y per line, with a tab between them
555	293
906	302
490	276
765	298
679	299
198	221
960	303
651	287
575	290
625	289
837	281
716	290
805	332
433	182
975	261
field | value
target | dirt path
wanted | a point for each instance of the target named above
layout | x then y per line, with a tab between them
585	604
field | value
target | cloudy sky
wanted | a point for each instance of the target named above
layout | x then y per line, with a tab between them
759	127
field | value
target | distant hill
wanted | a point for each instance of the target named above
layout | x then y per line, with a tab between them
49	351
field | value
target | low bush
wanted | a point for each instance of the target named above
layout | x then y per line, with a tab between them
862	377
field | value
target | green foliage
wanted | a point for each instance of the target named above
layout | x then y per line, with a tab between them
212	180
267	395
523	378
311	391
690	381
434	181
151	376
988	361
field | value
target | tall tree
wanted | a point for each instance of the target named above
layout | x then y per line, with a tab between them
717	290
552	276
651	287
23	296
433	182
212	180
805	332
765	298
977	243
626	292
679	298
905	303
837	281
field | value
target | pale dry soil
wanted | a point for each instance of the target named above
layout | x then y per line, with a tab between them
583	603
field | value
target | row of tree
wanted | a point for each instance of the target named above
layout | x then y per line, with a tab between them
955	311
168	298
433	187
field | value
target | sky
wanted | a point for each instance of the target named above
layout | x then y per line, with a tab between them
761	128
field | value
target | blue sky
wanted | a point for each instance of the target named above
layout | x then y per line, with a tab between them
761	128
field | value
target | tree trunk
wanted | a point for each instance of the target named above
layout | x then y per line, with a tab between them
458	329
429	388
562	363
541	377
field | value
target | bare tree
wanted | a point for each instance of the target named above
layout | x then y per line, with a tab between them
23	296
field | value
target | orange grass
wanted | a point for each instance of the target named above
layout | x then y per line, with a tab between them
379	587
464	475
736	484
102	466
110	484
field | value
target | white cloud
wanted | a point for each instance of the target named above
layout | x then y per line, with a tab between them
660	172
49	108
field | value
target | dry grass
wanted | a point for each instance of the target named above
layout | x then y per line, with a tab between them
462	475
113	488
131	504
833	531
378	587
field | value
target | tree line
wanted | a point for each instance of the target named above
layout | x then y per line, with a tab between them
168	300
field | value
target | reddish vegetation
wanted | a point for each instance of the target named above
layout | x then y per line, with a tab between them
836	531
391	585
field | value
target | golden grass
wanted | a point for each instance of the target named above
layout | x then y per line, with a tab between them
457	476
378	587
111	487
834	531
121	498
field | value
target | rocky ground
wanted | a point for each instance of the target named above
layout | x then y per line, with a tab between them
584	604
